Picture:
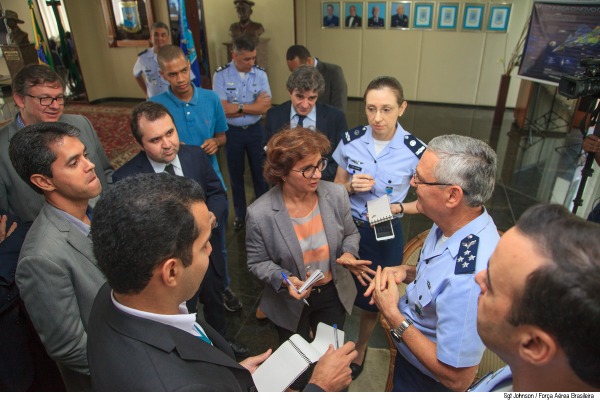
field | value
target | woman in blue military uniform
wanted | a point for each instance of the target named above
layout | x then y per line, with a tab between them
375	160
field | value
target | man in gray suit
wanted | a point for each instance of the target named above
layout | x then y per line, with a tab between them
56	273
38	92
336	89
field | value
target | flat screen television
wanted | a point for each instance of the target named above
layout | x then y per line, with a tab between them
560	35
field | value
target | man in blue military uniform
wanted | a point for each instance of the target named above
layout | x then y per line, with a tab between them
331	20
400	20
200	121
146	70
245	95
434	323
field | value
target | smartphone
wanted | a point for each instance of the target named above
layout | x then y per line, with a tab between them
384	230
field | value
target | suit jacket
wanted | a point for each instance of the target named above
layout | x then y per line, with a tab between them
195	165
336	88
129	353
58	279
380	22
357	23
335	21
17	197
273	247
330	121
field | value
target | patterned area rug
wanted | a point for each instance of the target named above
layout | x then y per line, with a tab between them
112	125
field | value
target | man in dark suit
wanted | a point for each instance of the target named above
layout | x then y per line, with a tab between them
141	339
400	20
331	20
154	130
353	20
376	20
305	85
336	89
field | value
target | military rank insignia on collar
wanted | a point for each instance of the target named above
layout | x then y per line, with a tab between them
467	255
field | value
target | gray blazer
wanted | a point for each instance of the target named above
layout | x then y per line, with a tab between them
273	247
17	197
58	281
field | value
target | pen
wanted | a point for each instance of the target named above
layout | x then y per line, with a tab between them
285	278
335	336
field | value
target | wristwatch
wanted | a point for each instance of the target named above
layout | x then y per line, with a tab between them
399	331
401	213
240	108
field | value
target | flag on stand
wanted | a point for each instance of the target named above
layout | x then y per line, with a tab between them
186	42
41	46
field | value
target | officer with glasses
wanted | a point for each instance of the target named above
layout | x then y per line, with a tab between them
301	225
373	161
38	93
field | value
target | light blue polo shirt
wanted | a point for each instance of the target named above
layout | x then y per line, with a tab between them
442	300
196	120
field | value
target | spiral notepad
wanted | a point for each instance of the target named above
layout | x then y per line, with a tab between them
379	210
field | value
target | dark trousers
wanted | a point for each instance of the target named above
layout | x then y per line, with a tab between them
407	378
242	142
325	306
210	293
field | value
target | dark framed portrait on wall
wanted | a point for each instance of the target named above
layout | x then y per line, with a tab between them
400	14
353	13
331	14
128	22
376	15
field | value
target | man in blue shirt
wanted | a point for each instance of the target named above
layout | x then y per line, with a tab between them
435	322
245	95
538	308
200	121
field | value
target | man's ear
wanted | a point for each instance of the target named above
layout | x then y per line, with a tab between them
536	347
169	271
454	195
43	182
19	101
311	61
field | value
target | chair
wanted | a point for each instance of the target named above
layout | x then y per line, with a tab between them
490	360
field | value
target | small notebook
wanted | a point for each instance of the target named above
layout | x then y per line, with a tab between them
294	357
314	277
379	210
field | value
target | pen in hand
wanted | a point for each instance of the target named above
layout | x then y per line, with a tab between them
335	336
286	279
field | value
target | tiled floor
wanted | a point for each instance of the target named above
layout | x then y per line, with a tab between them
528	167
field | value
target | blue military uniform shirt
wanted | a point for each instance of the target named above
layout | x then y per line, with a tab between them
392	168
442	300
229	86
147	64
196	120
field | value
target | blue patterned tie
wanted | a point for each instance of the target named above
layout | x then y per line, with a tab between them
201	334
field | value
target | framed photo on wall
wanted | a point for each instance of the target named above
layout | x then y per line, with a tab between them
473	17
499	17
331	14
353	13
400	14
447	16
128	22
376	15
423	18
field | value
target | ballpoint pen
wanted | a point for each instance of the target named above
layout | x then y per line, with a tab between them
335	336
286	279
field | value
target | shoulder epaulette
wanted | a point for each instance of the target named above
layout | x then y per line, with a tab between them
259	67
354	133
142	52
467	255
414	144
222	68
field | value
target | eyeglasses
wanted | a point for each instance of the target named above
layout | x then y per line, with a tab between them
47	100
309	172
385	111
418	181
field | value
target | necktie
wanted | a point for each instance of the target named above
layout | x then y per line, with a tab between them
170	170
301	119
201	334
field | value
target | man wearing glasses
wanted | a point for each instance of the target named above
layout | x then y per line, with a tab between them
305	85
434	323
38	92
